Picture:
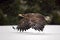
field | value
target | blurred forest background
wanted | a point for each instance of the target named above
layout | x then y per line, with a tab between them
9	10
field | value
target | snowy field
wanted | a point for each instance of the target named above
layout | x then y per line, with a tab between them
51	32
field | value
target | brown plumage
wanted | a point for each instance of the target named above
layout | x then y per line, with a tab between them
31	20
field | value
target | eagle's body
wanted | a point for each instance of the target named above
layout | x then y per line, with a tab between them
32	20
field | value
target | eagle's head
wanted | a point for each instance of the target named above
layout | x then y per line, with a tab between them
48	18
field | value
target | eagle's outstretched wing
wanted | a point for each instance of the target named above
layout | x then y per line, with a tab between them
23	25
39	25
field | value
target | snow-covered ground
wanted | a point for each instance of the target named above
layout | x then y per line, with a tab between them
51	32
